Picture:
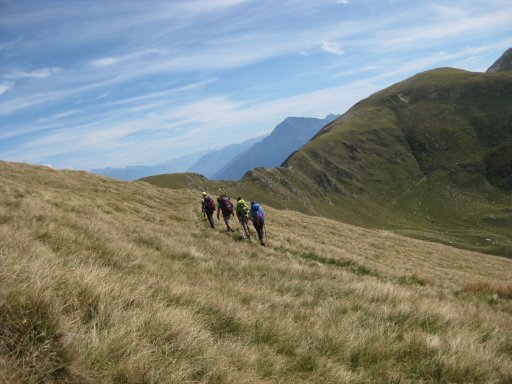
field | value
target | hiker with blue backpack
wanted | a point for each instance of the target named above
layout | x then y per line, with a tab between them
258	220
225	206
208	208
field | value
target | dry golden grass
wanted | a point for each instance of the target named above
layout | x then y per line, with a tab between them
486	288
112	282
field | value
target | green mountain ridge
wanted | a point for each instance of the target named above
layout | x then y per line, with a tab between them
428	157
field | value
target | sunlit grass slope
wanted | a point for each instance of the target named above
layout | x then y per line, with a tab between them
103	281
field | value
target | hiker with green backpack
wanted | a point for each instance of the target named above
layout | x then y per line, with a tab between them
224	204
242	212
208	208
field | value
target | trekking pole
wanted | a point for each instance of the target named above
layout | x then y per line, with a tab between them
265	232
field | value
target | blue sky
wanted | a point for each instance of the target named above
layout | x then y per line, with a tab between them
90	84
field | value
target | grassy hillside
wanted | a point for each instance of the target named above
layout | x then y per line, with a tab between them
430	157
430	154
104	281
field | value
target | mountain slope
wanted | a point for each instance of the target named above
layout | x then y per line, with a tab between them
504	63
214	161
429	152
103	281
287	137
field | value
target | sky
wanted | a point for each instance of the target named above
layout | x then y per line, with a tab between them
88	84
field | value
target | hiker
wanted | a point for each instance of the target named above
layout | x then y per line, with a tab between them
224	204
258	220
242	212
208	208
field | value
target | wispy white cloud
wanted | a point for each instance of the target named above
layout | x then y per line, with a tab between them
40	73
67	113
10	44
108	61
61	115
162	94
114	111
101	96
332	47
104	62
206	6
207	116
4	87
146	78
447	22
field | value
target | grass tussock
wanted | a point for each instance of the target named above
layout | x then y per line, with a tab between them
503	291
110	282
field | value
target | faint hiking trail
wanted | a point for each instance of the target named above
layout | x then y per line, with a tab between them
409	189
384	213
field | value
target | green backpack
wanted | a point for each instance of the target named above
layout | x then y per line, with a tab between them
242	209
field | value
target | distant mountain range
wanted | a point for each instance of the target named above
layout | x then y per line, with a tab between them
134	172
213	161
286	138
232	161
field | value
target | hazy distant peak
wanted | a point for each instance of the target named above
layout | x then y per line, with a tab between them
300	124
504	63
288	136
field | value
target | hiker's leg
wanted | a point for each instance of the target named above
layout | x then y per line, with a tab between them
246	228
241	221
228	224
210	219
259	231
256	228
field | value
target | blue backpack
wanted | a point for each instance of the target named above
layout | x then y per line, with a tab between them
258	215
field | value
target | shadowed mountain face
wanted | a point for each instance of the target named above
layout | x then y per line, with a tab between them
504	63
286	138
430	157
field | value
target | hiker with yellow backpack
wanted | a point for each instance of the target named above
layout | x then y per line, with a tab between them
243	212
